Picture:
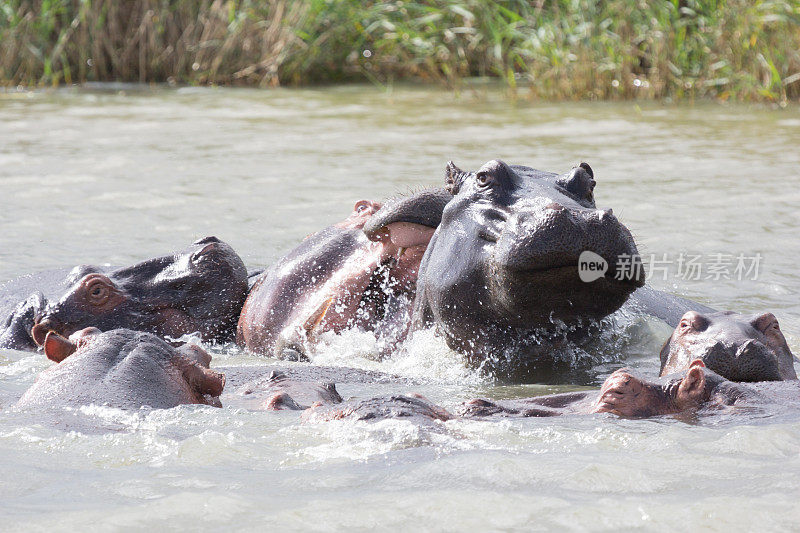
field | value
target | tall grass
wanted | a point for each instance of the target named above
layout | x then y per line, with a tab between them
560	49
49	42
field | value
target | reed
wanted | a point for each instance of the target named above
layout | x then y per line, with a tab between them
561	49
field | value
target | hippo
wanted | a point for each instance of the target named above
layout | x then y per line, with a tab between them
310	389
199	290
627	395
502	269
399	406
360	272
622	394
738	347
278	392
124	369
301	388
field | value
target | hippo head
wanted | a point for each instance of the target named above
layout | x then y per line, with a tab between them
629	396
200	290
505	256
737	347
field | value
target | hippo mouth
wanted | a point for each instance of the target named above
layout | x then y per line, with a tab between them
375	288
413	218
367	293
634	278
523	291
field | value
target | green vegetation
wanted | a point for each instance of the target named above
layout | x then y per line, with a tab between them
563	49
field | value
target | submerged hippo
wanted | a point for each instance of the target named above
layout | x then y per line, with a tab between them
277	391
201	289
124	369
501	270
360	272
296	389
622	394
698	387
400	406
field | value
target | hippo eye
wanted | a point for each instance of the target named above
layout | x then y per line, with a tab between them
483	179
98	293
362	206
685	324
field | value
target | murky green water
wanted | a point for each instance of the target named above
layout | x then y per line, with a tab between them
111	176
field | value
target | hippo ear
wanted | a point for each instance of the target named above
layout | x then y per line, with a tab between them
453	176
331	388
276	375
202	380
57	348
207	240
196	353
692	387
585	166
280	401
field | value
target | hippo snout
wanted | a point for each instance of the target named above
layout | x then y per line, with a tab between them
744	360
551	236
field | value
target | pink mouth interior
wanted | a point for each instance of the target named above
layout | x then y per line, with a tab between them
408	234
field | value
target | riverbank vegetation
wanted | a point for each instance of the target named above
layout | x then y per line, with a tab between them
563	49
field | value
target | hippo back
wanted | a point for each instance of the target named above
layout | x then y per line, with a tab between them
121	368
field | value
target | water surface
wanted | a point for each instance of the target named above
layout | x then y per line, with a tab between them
118	174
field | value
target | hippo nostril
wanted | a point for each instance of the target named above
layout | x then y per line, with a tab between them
207	240
604	214
747	348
